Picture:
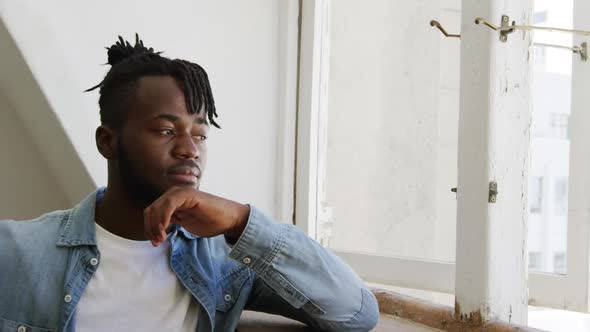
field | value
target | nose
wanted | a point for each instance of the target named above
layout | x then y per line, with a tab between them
185	148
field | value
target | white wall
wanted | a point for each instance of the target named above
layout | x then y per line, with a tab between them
28	187
31	107
237	42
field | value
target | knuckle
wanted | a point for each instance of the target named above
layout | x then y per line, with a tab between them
168	202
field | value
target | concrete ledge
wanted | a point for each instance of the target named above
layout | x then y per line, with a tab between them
437	316
261	322
398	313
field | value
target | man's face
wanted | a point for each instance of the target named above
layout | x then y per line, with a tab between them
161	145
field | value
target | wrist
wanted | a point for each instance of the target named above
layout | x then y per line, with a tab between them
235	231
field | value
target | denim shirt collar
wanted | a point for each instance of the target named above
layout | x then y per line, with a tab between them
80	230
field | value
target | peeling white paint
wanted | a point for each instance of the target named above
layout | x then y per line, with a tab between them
495	112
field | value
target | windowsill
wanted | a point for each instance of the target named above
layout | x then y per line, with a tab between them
261	322
540	318
549	319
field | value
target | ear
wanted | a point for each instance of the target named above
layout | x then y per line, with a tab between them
106	142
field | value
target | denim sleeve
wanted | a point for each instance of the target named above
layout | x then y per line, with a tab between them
298	278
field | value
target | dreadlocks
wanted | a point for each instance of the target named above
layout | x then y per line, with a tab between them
130	63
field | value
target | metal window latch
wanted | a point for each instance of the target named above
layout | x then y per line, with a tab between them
504	33
582	50
493	193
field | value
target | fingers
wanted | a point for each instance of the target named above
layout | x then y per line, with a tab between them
158	216
177	218
152	227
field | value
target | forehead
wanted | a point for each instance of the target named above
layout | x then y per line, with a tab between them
157	95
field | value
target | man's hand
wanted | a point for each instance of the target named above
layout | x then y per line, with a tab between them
200	213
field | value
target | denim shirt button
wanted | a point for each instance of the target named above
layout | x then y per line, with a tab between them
247	260
68	298
227	297
94	261
22	329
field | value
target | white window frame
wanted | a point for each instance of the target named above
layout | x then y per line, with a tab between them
570	291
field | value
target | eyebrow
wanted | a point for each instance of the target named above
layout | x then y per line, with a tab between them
174	118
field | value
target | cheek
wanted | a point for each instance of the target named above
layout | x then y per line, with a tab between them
149	157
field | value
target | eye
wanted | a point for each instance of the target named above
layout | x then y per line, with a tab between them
200	137
166	132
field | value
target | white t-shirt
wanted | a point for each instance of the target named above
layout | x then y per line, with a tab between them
134	289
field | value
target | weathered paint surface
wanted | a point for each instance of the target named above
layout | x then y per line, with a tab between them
494	141
438	316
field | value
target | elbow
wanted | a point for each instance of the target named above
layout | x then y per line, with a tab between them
366	319
368	316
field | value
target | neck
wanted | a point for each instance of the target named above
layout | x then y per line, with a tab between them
120	214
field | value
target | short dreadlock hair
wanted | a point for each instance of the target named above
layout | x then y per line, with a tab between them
130	63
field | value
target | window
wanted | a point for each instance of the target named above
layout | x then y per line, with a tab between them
535	261
559	125
559	263
540	17
540	50
540	56
378	152
550	145
560	196
536	194
385	186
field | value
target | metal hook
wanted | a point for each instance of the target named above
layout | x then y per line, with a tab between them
506	28
480	20
436	24
582	50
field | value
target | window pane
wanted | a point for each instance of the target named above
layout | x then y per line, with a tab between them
392	118
535	194
548	183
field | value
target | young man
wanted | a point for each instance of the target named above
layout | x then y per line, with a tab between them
153	253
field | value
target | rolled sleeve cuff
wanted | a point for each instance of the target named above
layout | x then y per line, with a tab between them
260	241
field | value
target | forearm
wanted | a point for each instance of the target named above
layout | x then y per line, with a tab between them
305	274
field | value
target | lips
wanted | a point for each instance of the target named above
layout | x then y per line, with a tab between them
185	174
183	178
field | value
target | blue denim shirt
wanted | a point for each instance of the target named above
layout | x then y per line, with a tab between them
46	263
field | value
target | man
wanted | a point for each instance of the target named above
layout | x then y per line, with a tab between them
153	253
